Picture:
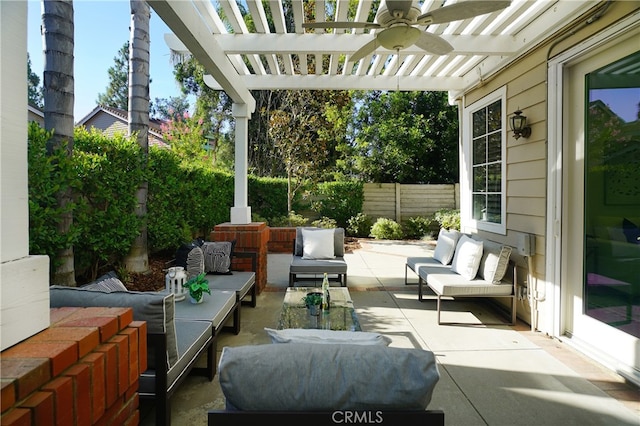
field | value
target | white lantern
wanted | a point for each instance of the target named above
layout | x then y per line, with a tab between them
174	282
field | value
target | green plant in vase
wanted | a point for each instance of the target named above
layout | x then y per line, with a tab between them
197	286
313	301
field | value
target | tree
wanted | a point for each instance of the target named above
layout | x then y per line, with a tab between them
34	88
58	94
405	137
298	130
170	109
138	258
117	92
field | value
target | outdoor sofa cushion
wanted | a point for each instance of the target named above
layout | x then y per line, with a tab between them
318	244
446	245
338	240
467	257
303	377
448	283
301	335
157	309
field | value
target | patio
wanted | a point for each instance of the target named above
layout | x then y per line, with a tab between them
498	375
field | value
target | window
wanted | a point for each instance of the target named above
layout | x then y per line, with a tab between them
483	174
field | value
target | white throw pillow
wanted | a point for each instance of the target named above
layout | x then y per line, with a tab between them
446	245
495	259
318	244
467	258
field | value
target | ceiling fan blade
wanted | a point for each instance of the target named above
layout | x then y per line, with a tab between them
340	25
464	10
433	44
365	50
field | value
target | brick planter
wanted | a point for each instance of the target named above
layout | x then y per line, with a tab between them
82	370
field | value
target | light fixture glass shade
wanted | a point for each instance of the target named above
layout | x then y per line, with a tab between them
399	37
519	125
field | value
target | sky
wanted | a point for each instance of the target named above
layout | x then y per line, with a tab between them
101	28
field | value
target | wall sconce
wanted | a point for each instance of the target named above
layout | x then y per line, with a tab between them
519	125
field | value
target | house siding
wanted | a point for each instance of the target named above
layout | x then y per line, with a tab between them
526	85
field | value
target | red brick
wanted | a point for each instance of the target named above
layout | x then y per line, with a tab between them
16	417
142	344
122	342
41	406
134	420
110	352
81	376
96	363
9	392
60	354
59	314
127	411
29	373
134	372
108	326
62	388
86	338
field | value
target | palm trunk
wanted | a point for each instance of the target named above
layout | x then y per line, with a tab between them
138	258
58	88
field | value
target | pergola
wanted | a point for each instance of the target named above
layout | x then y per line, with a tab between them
288	56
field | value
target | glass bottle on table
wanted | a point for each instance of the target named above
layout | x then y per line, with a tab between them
326	299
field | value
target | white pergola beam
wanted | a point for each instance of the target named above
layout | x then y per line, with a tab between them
344	82
187	25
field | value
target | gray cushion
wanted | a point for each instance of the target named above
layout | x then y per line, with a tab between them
192	337
338	241
330	266
303	377
214	308
157	309
304	335
240	282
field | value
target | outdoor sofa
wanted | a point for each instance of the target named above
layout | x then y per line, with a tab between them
325	377
177	333
465	265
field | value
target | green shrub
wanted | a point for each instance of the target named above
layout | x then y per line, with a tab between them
292	220
47	174
448	218
418	227
339	200
324	222
386	229
111	169
359	225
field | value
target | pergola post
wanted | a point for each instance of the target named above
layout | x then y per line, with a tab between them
241	211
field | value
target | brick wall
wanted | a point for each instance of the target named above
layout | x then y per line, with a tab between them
82	370
281	240
250	237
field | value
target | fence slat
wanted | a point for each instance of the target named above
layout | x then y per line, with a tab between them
402	201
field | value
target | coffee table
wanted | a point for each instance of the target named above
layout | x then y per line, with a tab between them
340	316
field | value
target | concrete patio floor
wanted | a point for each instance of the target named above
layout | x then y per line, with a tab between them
490	375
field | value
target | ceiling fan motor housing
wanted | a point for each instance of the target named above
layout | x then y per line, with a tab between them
388	15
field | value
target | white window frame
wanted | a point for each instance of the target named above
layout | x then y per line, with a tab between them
466	203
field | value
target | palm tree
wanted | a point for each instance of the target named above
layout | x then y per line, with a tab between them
58	94
138	258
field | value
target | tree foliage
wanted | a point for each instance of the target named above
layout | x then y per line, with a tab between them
116	94
405	137
34	88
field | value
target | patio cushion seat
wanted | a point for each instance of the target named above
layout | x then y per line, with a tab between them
313	266
239	281
214	309
415	263
192	337
448	283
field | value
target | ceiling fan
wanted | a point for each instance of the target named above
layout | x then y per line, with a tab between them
397	20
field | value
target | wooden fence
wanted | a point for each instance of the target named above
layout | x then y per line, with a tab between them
402	201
